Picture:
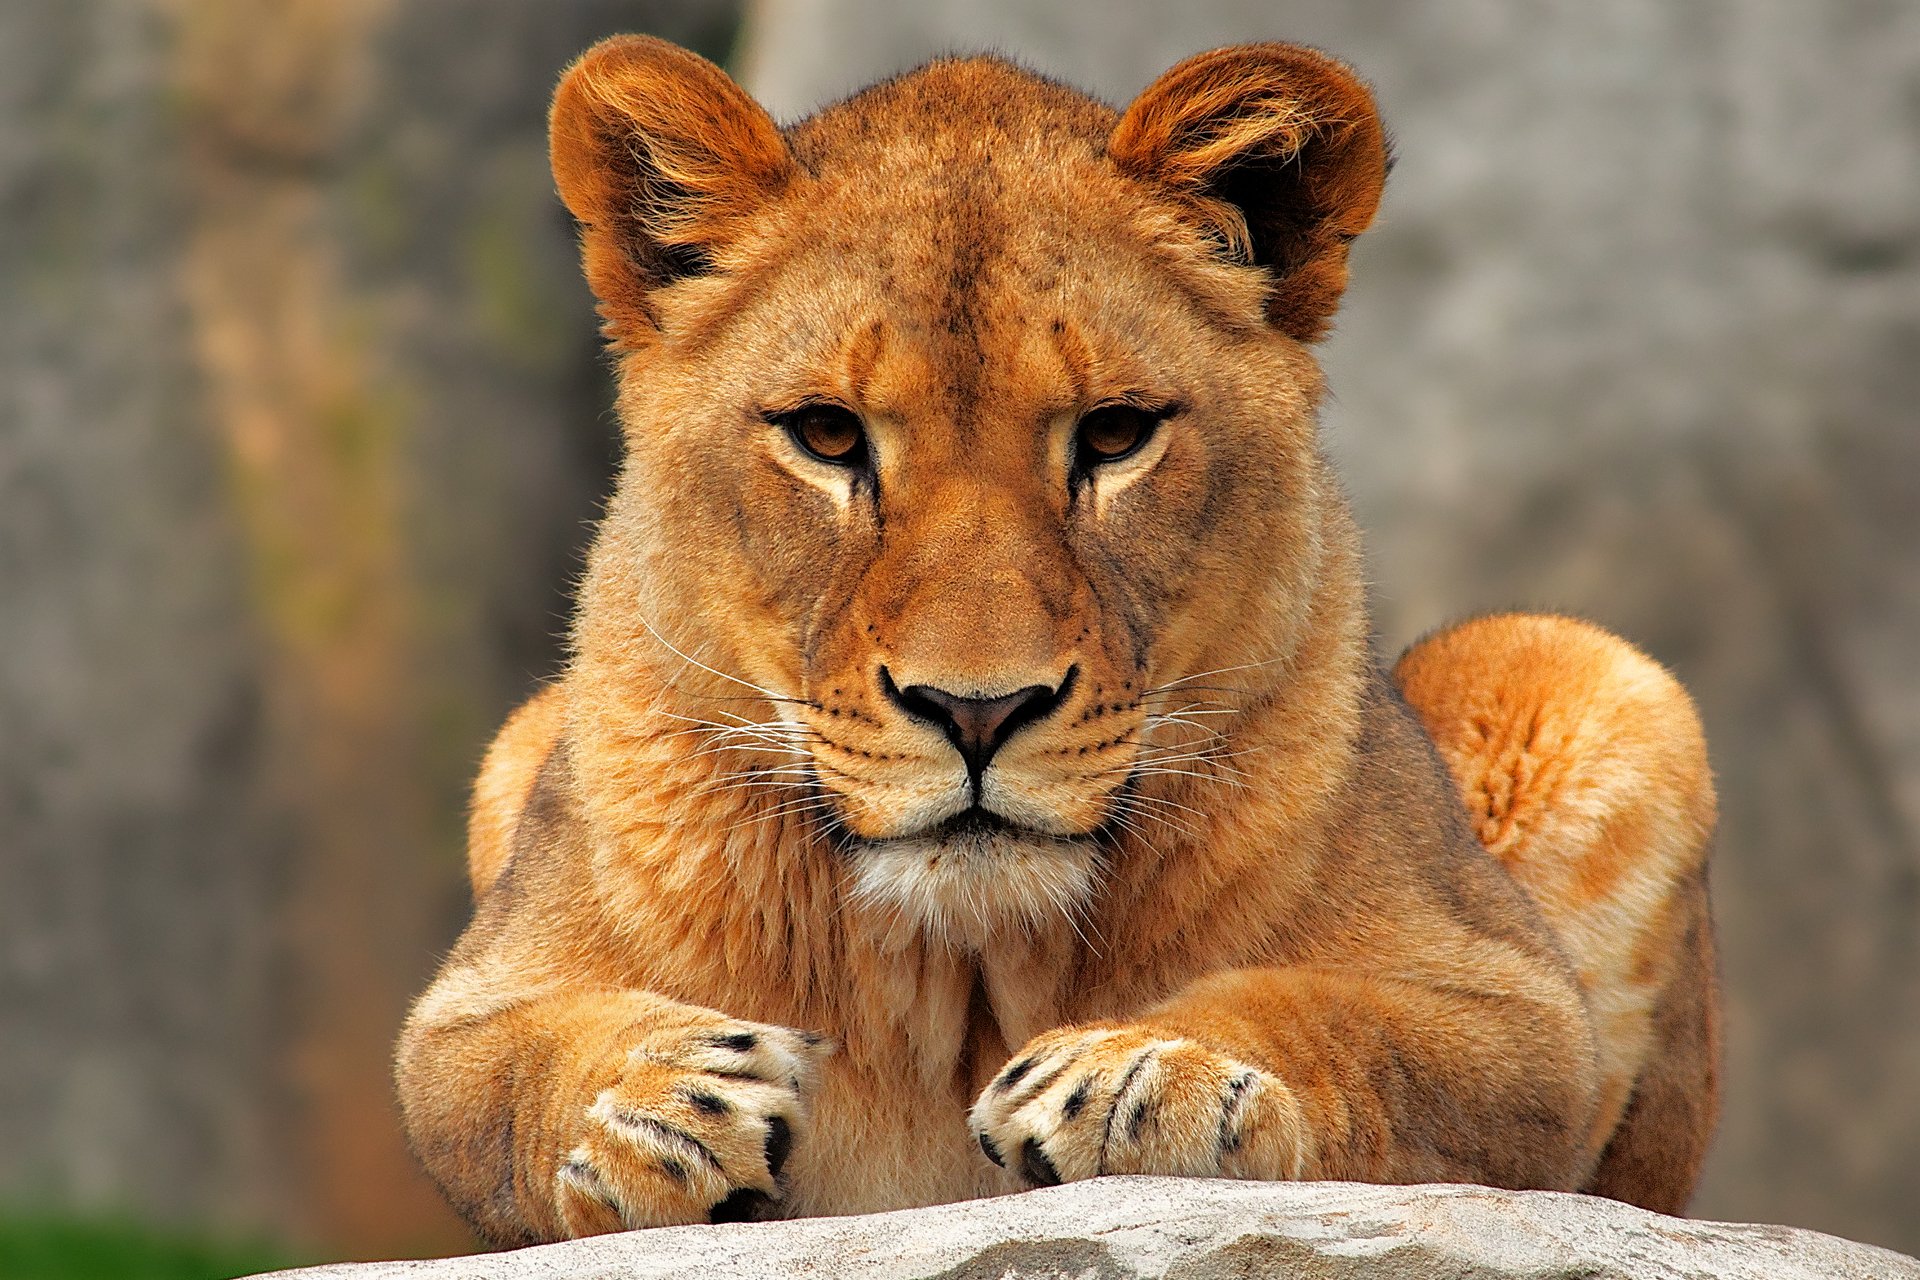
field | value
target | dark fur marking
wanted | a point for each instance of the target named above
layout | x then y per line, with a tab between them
744	1205
1011	1076
1119	1100
1077	1100
709	1103
779	1144
587	1178
1230	1108
1039	1084
671	1132
502	1200
1035	1166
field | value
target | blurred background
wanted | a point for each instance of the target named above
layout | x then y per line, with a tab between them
302	423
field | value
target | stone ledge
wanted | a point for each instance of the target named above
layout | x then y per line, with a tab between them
1198	1229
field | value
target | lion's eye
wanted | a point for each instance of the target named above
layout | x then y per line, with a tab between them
827	432
1112	432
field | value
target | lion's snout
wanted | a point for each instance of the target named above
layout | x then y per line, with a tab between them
978	726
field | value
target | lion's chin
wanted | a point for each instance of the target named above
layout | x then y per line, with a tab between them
971	879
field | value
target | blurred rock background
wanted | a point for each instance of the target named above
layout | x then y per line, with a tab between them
301	420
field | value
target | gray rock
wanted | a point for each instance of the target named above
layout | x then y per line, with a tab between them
1197	1229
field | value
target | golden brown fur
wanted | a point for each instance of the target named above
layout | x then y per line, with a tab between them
756	933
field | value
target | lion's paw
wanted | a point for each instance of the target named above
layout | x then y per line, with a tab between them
1079	1103
697	1128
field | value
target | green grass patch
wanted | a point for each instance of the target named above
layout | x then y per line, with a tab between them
56	1248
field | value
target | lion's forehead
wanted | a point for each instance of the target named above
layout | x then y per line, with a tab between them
968	241
963	229
970	194
951	106
1010	283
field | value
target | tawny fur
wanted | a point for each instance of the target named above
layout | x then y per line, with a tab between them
506	780
730	953
1585	773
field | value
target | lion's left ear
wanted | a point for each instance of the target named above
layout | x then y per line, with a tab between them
1276	149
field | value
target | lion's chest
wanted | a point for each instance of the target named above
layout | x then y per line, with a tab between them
872	1147
888	1126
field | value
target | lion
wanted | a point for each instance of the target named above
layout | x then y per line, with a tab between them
972	770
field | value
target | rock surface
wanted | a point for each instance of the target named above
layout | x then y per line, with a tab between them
1116	1228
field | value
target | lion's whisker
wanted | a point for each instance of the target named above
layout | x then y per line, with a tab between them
1135	805
693	661
1156	772
1217	671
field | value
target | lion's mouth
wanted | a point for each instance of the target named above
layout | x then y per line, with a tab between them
976	823
980	828
976	873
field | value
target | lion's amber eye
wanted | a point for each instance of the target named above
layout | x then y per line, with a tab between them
828	432
1113	431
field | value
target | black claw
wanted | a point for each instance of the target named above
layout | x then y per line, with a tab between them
1034	1164
738	1041
1011	1076
744	1205
779	1144
992	1152
1077	1100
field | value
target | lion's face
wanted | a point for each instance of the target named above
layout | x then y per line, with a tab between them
973	458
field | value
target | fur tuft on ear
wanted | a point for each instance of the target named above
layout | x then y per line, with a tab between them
1275	150
662	158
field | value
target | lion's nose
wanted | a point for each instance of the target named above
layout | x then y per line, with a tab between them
977	727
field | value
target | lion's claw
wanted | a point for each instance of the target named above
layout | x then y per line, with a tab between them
698	1127
1079	1103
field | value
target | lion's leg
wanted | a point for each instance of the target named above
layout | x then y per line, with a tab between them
1655	1155
506	780
1585	772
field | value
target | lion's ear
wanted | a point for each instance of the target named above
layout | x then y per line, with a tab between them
1275	149
662	159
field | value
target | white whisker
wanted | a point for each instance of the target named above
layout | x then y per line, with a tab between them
1217	671
1188	773
692	661
1133	806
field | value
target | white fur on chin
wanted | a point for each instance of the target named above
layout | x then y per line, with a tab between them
965	889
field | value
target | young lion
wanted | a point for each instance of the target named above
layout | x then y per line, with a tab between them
972	772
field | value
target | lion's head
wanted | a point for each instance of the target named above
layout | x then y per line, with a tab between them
970	430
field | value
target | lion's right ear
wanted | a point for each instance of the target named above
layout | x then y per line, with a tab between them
662	158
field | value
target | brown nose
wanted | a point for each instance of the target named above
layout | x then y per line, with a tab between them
977	727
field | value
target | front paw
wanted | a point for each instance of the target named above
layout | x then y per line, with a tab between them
1079	1103
696	1128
